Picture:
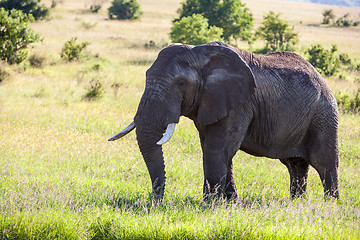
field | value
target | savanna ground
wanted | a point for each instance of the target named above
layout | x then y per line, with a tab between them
61	179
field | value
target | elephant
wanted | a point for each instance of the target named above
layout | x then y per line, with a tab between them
275	105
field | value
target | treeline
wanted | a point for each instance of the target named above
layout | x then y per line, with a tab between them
329	18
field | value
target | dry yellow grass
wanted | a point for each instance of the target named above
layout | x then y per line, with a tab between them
158	17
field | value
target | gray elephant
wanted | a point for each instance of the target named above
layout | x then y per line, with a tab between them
275	105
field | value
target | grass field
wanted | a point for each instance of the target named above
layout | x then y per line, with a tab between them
61	179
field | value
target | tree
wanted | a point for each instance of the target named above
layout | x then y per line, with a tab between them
32	7
15	35
124	9
325	61
344	21
277	33
194	30
328	16
230	15
54	3
96	5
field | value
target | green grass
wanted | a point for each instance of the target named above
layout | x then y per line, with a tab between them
61	179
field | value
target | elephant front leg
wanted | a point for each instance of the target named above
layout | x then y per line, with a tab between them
219	143
230	187
218	176
215	173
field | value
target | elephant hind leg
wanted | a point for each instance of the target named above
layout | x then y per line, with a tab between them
298	169
324	157
328	173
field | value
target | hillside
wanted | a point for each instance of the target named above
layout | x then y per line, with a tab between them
345	3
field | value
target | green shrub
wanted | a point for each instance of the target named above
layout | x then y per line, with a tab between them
32	7
40	92
88	25
37	60
231	15
124	9
3	74
194	30
345	59
150	44
115	87
95	91
349	102
325	61
96	67
72	50
15	35
277	33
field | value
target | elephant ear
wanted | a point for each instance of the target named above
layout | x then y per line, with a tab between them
228	82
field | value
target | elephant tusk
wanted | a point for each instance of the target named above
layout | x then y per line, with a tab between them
169	132
123	132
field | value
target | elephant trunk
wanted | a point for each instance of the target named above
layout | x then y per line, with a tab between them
151	121
152	153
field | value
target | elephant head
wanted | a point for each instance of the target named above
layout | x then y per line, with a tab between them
200	82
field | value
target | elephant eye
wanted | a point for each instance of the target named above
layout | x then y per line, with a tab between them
182	82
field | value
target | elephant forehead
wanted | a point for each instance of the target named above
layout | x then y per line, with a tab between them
171	70
161	68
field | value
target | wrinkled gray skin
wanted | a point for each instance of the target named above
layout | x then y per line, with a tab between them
275	105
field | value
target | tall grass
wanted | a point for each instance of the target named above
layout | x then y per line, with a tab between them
61	179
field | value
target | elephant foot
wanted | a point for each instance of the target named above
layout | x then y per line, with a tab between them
331	194
216	195
231	195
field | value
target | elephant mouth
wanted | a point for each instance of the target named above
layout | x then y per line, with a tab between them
166	137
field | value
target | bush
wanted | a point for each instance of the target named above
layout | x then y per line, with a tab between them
277	33
328	16
54	3
344	21
88	25
230	15
348	102
150	44
37	60
194	30
15	35
325	61
345	59
96	5
95	8
116	86
95	91
4	75
27	6
72	50
124	9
